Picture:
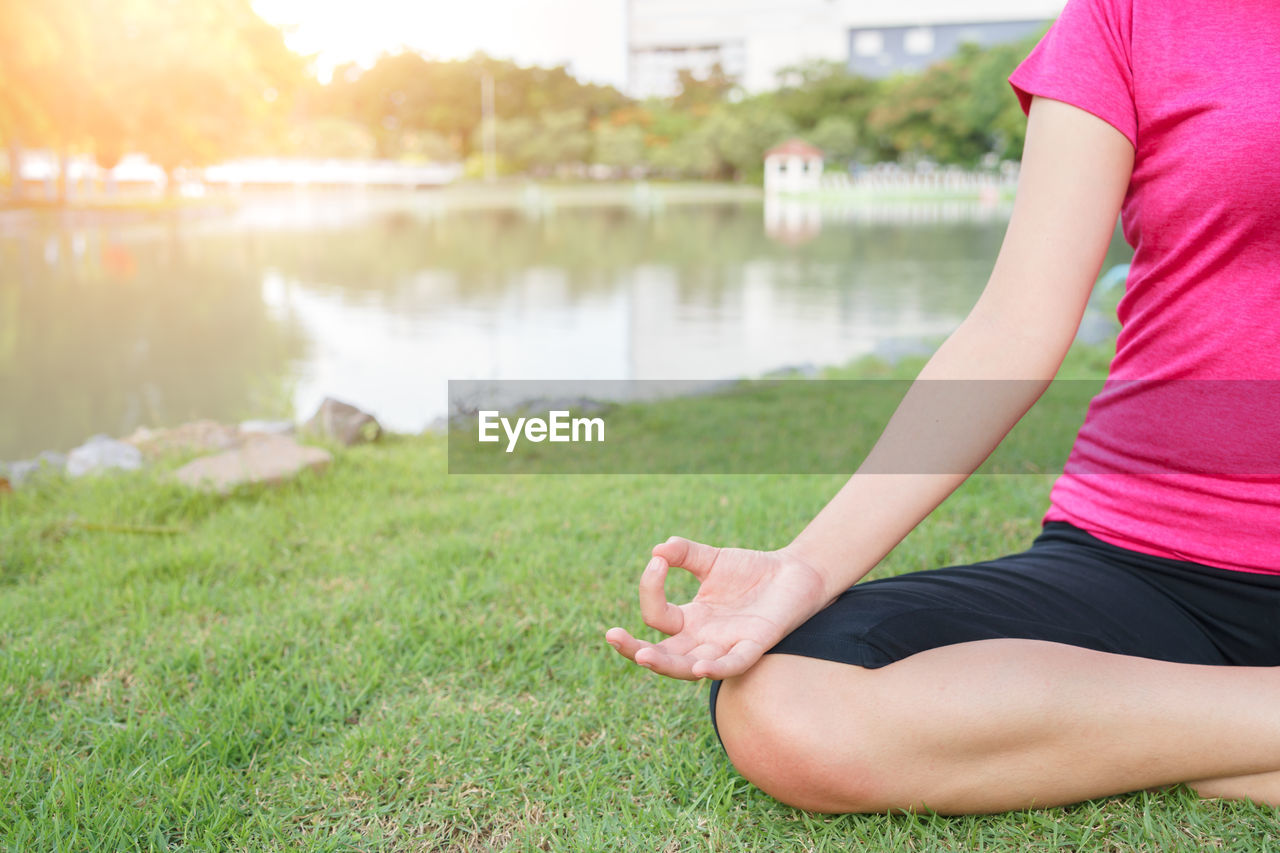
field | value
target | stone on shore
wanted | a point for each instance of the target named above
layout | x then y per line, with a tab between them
261	459
194	437
343	423
103	453
48	462
268	427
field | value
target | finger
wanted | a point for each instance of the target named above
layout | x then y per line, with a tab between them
738	660
657	611
680	644
706	651
625	644
666	663
680	660
694	557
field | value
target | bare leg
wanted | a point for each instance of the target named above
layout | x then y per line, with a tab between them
995	725
1262	788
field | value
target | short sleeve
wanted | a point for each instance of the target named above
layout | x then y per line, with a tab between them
1085	60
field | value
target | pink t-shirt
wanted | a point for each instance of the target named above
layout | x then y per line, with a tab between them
1179	455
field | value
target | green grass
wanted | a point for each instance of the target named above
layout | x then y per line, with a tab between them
385	657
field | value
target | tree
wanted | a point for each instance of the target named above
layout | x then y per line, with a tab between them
562	138
184	82
685	156
837	136
739	134
919	116
510	138
332	137
989	103
389	99
621	147
407	94
214	79
955	111
47	51
699	94
555	139
820	88
29	43
425	146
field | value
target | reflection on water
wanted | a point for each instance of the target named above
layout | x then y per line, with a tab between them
107	327
797	220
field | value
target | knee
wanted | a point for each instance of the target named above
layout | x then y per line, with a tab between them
786	738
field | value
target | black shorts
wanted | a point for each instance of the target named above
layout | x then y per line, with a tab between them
1068	587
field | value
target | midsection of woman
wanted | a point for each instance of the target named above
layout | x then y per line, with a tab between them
1179	456
1093	663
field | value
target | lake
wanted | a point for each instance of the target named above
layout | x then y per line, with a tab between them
110	322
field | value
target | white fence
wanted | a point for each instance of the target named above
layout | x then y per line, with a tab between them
893	178
42	167
288	172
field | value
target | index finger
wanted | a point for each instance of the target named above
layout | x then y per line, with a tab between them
627	645
668	663
654	608
694	557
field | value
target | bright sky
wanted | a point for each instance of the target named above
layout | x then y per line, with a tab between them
586	34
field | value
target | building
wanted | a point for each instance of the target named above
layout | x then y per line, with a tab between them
910	36
793	166
753	40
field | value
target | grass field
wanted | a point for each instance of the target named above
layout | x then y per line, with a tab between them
386	657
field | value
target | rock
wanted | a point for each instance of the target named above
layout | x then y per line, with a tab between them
342	422
260	459
19	472
197	436
5	488
268	427
895	350
48	462
807	370
103	453
52	460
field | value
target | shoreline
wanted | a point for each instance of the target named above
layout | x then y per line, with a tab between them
505	194
887	356
1088	358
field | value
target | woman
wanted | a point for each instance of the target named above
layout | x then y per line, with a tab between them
1136	643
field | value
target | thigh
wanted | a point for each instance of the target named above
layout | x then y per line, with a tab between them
1066	588
1059	590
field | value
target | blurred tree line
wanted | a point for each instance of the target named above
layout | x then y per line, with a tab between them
192	82
959	111
186	83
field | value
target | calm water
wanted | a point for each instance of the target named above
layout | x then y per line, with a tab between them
105	326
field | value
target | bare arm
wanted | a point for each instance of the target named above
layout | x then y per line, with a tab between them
1075	171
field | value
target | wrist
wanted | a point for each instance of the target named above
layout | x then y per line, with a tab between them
829	582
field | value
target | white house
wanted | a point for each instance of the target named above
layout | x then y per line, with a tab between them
793	166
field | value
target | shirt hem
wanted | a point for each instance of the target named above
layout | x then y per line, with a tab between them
1142	547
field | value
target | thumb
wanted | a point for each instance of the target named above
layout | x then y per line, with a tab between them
694	557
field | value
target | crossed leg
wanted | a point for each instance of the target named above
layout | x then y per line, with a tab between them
999	724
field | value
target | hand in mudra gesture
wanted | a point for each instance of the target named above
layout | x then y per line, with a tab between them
746	602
